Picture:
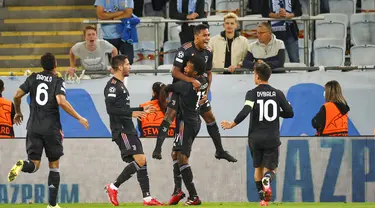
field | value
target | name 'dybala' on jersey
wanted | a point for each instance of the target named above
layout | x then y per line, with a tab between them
44	78
266	94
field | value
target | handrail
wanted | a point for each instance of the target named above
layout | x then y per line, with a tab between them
156	20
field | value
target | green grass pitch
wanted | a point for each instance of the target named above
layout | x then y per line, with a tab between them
218	205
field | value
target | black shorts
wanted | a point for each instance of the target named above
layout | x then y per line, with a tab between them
205	108
173	101
51	143
129	145
268	158
183	143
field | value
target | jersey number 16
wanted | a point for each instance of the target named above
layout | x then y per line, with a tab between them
263	110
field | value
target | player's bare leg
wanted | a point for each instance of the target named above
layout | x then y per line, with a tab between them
213	131
177	194
268	177
187	176
27	166
170	115
258	175
53	182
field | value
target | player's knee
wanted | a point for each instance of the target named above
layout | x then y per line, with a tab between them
140	160
209	117
174	155
54	164
183	159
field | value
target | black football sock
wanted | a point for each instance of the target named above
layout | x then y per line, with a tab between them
213	131
162	133
144	181
177	177
53	185
187	176
28	166
271	175
259	185
127	173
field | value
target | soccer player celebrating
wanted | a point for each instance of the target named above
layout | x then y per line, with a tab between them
263	103
196	48
117	102
47	93
188	114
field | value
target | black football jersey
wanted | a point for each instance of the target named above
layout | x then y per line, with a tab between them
264	103
188	50
44	109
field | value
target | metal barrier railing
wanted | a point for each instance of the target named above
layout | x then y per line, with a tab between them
157	21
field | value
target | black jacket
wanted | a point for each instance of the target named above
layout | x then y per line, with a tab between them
174	14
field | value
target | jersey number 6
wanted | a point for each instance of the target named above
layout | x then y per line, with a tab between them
42	89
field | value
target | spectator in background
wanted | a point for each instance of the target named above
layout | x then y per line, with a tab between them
267	48
138	8
229	48
285	30
324	6
148	126
116	10
332	118
186	10
7	115
92	52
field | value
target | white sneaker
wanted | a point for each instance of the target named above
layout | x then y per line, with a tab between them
50	206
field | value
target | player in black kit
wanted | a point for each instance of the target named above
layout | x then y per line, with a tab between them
188	115
263	103
117	101
196	48
47	93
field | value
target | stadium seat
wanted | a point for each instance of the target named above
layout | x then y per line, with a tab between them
368	6
225	6
301	51
216	27
250	27
329	52
362	28
170	47
146	31
362	55
144	53
173	31
333	26
347	7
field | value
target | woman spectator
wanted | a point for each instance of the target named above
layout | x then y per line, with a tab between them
148	126
332	119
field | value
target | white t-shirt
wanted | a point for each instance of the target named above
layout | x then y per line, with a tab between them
93	60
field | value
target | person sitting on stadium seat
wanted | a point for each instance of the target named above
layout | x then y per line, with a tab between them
267	48
93	53
229	48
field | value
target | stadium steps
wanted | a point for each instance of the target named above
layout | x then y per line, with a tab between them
28	29
47	2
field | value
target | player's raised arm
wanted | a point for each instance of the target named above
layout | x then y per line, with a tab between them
248	106
287	110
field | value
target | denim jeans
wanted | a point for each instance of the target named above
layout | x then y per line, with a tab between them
291	46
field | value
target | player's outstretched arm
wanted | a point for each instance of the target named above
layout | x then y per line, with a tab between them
65	105
18	117
287	110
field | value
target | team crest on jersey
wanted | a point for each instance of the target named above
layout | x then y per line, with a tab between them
187	45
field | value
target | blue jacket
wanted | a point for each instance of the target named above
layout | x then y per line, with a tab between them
129	30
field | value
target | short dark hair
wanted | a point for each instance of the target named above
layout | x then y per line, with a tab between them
263	70
48	61
199	28
89	27
1	85
117	61
198	63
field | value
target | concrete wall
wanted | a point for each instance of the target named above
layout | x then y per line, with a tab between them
311	169
303	90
